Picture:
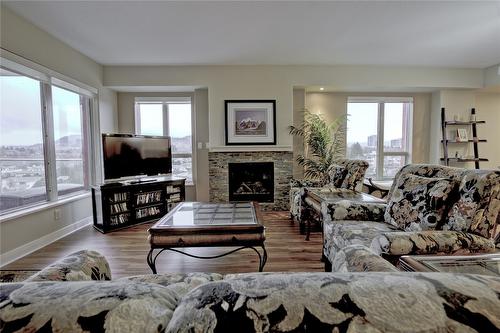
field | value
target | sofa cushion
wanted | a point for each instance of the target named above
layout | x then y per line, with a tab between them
337	174
342	233
356	170
431	242
86	306
478	207
79	266
181	283
342	302
359	258
420	203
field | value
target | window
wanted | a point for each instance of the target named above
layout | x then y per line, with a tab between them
169	116
379	131
70	140
43	138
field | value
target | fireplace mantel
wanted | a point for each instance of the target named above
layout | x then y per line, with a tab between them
231	149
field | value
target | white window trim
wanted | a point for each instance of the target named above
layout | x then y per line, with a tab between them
48	77
165	101
39	72
407	153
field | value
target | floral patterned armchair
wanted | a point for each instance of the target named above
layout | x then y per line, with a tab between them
346	174
430	209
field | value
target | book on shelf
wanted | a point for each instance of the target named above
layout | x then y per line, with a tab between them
119	196
118	207
147	211
119	219
174	198
173	189
144	198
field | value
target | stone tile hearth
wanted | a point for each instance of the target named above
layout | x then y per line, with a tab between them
218	173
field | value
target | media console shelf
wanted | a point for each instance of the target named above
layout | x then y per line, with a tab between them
124	204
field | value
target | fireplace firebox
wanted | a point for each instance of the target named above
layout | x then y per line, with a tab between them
252	181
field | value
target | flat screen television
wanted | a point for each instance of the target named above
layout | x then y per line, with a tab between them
127	155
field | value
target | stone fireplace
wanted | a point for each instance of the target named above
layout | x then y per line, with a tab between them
251	181
274	168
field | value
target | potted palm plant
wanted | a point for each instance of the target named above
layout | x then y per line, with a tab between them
324	144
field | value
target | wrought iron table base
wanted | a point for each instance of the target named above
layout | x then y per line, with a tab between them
151	259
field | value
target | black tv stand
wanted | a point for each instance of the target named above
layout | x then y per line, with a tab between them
123	204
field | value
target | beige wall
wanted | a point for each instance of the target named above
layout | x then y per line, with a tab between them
202	137
24	39
488	109
334	104
277	82
299	105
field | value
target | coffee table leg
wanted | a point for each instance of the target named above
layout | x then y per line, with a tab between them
151	261
262	262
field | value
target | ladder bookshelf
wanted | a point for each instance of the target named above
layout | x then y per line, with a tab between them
472	123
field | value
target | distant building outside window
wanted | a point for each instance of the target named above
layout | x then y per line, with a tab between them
169	116
379	131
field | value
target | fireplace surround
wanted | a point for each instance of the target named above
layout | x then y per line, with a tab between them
218	169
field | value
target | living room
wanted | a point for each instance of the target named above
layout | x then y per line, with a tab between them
200	61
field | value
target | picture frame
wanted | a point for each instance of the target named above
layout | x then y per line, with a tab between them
462	135
250	122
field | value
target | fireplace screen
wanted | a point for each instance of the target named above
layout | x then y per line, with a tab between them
251	181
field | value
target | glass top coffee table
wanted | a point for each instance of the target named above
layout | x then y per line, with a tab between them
485	264
199	224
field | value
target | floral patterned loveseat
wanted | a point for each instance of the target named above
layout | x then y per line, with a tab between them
430	209
76	295
346	174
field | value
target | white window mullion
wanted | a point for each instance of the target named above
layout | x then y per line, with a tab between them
166	129
48	142
380	142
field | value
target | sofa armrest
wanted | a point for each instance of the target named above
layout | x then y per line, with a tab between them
359	258
431	242
79	266
354	210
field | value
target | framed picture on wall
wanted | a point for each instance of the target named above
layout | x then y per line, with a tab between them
250	122
462	135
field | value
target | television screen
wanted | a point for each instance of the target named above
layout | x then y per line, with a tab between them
133	155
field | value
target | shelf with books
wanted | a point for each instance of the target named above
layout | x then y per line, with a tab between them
124	204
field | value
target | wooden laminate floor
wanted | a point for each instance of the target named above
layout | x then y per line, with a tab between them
126	251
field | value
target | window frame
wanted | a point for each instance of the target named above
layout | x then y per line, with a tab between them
381	154
48	78
166	101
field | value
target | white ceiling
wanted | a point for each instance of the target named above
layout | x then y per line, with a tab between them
449	34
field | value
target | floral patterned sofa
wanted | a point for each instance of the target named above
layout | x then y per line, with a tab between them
430	209
75	295
346	174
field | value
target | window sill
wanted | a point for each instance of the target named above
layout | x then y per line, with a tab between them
42	206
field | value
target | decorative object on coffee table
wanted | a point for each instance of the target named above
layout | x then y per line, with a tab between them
198	224
250	122
485	264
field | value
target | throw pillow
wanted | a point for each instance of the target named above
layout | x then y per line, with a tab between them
420	203
337	175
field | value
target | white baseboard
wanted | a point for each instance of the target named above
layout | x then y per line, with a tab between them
21	251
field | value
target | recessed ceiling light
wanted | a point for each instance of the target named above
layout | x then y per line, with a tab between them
321	88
